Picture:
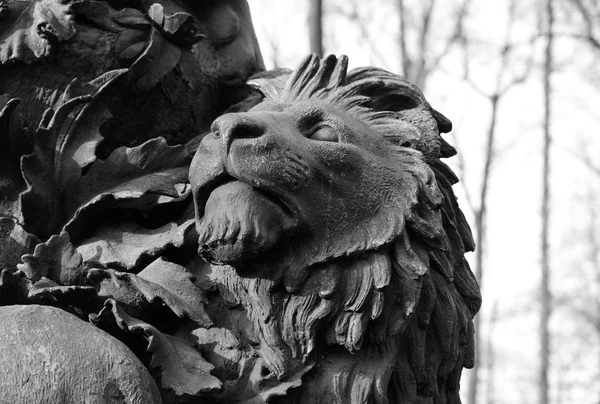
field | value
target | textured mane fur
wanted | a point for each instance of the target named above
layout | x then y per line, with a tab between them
390	324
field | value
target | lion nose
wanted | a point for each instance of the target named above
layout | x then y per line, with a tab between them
230	127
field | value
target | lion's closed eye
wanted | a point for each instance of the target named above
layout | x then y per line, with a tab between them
324	134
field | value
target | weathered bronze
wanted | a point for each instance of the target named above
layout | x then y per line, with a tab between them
305	248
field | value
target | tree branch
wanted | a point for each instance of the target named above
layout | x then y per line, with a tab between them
457	35
589	24
406	58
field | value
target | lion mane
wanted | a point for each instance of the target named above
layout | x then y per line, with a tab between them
390	318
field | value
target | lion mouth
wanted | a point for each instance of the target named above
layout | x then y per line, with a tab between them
237	221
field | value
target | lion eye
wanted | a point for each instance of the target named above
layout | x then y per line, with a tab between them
324	134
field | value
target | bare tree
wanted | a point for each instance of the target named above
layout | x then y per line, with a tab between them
545	295
505	80
315	26
364	24
593	316
419	53
491	354
583	304
418	62
589	10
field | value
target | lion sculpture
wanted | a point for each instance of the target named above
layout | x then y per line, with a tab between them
335	238
326	265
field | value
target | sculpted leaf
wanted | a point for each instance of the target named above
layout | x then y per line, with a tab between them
163	54
12	142
29	30
14	240
65	143
129	17
179	366
52	275
107	18
127	174
256	386
190	70
130	44
160	57
177	26
180	295
131	172
55	259
177	280
131	25
125	246
153	50
41	206
79	134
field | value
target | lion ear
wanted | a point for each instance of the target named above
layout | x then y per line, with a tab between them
262	85
270	83
444	124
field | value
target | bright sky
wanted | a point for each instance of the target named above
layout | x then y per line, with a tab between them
512	261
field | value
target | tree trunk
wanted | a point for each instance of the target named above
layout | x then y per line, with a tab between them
480	228
594	253
491	355
405	58
546	296
315	26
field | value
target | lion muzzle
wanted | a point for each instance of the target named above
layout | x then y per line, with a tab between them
240	213
240	222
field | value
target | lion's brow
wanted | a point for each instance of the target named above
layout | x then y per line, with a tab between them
307	118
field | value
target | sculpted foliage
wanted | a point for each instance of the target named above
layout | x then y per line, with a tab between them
88	87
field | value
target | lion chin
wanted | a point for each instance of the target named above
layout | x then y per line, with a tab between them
241	223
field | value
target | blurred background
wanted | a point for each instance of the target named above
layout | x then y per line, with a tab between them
521	82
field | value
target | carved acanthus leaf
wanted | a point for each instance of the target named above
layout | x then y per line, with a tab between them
79	134
153	49
140	294
127	174
65	143
177	25
55	259
107	18
175	362
159	58
131	25
256	386
130	44
30	30
12	138
127	245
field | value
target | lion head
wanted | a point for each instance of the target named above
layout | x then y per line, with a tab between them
329	216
